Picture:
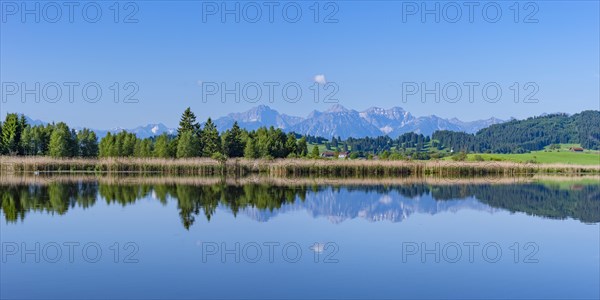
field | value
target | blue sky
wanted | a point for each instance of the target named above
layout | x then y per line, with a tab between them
172	56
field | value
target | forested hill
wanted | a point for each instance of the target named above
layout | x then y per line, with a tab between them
518	136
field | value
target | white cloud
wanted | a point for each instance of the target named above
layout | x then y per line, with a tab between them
317	247
320	79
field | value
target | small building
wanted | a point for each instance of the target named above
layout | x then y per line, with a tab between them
576	149
328	154
331	154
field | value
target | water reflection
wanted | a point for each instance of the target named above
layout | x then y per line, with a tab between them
339	202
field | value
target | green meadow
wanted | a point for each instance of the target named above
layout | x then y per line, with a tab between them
562	155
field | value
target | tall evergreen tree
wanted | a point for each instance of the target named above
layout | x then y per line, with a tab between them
87	143
11	134
188	123
233	143
277	143
209	139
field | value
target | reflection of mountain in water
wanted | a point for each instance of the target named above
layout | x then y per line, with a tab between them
262	202
339	205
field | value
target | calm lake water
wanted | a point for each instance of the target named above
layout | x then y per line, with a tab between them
416	240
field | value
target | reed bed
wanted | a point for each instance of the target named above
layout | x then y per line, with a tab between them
381	168
284	167
196	166
29	179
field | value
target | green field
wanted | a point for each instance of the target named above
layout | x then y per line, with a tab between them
559	156
562	155
322	147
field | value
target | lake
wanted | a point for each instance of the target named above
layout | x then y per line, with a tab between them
214	238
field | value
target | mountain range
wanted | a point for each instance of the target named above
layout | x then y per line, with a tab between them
337	121
140	131
340	205
342	122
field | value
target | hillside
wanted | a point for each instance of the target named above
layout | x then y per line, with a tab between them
520	136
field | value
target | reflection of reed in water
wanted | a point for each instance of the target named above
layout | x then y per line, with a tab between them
202	196
288	180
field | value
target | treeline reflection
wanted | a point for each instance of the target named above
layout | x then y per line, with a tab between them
577	202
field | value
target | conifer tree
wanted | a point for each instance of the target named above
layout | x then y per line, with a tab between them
302	149
11	133
291	144
315	152
233	143
188	123
209	139
87	143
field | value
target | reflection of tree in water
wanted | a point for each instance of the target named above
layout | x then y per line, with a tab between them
51	198
192	199
582	203
534	199
124	193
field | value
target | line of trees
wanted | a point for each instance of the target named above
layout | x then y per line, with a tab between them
195	140
57	140
192	140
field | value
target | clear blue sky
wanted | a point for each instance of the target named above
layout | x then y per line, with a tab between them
171	52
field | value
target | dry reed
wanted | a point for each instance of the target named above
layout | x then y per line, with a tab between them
284	167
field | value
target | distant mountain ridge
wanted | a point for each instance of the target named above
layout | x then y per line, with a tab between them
337	121
145	131
341	122
256	117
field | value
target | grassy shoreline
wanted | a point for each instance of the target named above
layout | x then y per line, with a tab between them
284	167
563	155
